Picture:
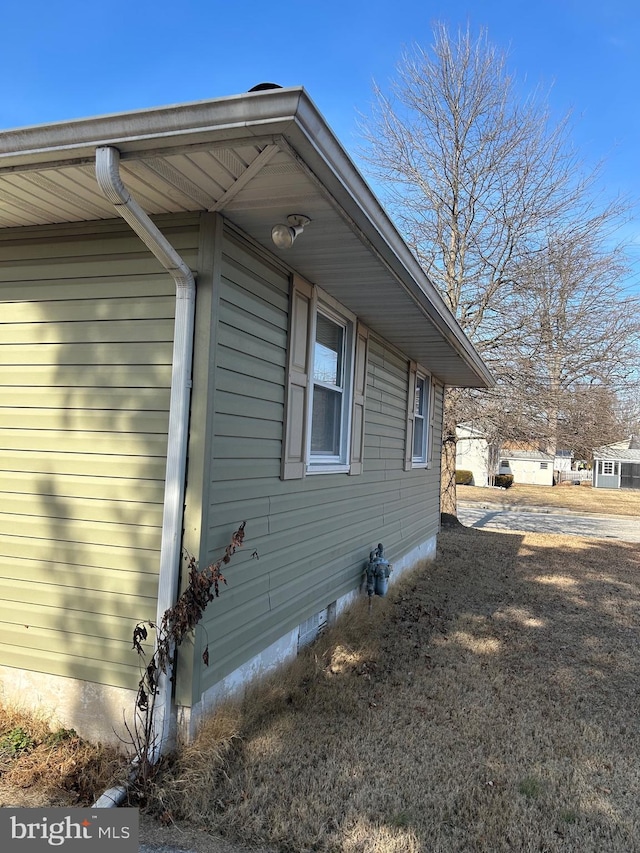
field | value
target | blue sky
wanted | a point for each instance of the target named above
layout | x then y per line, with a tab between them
63	60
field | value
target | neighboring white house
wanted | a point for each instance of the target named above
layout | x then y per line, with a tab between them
563	460
472	453
527	466
617	466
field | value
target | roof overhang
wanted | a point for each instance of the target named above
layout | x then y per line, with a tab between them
255	158
617	454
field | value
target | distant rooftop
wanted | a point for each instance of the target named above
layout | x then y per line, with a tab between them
526	454
625	451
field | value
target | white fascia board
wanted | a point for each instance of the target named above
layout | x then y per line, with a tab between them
175	127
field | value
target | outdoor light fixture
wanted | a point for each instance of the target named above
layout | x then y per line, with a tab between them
284	235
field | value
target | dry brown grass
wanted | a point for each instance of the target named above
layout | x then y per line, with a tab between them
576	498
44	766
489	704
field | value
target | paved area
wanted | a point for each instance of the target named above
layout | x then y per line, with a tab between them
496	517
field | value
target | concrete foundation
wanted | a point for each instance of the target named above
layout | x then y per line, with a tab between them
96	711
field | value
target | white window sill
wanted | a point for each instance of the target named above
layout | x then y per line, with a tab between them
328	469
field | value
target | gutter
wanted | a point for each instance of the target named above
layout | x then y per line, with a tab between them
108	177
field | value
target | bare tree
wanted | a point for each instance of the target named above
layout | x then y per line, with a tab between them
589	417
577	329
629	406
477	177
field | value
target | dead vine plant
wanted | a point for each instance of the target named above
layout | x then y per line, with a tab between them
177	623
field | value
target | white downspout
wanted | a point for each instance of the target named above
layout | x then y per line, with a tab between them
108	177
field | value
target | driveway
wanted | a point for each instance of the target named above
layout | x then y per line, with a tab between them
496	517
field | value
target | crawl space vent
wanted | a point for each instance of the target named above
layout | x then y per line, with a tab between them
311	628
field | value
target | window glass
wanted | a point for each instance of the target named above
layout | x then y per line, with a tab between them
419	403
325	422
331	383
418	440
327	356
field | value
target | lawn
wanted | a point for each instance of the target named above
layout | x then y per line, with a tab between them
489	703
576	498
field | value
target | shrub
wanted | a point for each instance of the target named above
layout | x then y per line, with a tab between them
503	481
464	478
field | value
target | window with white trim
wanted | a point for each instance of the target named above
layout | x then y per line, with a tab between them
419	430
609	468
544	466
420	420
331	389
324	419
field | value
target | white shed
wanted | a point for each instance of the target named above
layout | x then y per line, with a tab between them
528	466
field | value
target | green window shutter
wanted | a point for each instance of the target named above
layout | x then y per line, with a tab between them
297	393
359	391
411	403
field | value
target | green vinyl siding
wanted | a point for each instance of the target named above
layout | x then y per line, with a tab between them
86	338
306	539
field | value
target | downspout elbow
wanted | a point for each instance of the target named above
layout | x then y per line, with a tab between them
110	182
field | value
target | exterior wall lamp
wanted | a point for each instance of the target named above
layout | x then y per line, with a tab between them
284	235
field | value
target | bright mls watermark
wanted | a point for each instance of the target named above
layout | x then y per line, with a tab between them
35	830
